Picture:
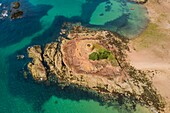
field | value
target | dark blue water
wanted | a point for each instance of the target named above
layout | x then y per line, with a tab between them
41	24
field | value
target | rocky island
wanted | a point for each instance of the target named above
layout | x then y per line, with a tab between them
95	61
15	11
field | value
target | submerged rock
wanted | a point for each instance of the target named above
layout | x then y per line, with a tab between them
17	14
15	5
19	57
15	11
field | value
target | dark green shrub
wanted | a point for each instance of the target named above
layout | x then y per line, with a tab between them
94	56
102	54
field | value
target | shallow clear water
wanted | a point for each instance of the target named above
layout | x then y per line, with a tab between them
41	24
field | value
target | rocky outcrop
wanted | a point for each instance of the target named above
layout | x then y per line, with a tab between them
49	54
36	67
140	1
15	5
15	11
67	63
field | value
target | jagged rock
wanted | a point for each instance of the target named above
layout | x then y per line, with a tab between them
50	51
36	68
49	55
35	52
58	61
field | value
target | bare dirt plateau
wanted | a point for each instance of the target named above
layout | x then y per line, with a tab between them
78	51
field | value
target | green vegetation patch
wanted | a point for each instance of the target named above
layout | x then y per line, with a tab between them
94	56
151	36
101	54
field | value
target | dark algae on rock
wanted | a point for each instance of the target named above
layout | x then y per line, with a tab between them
15	10
94	61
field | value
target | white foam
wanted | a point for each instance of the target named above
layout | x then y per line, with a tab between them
5	13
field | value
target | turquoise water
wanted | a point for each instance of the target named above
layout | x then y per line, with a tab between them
41	24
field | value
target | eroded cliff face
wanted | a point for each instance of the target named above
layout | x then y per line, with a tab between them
68	63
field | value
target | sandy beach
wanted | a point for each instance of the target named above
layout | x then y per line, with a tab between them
150	51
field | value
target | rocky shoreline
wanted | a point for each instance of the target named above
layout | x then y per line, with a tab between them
139	1
67	62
